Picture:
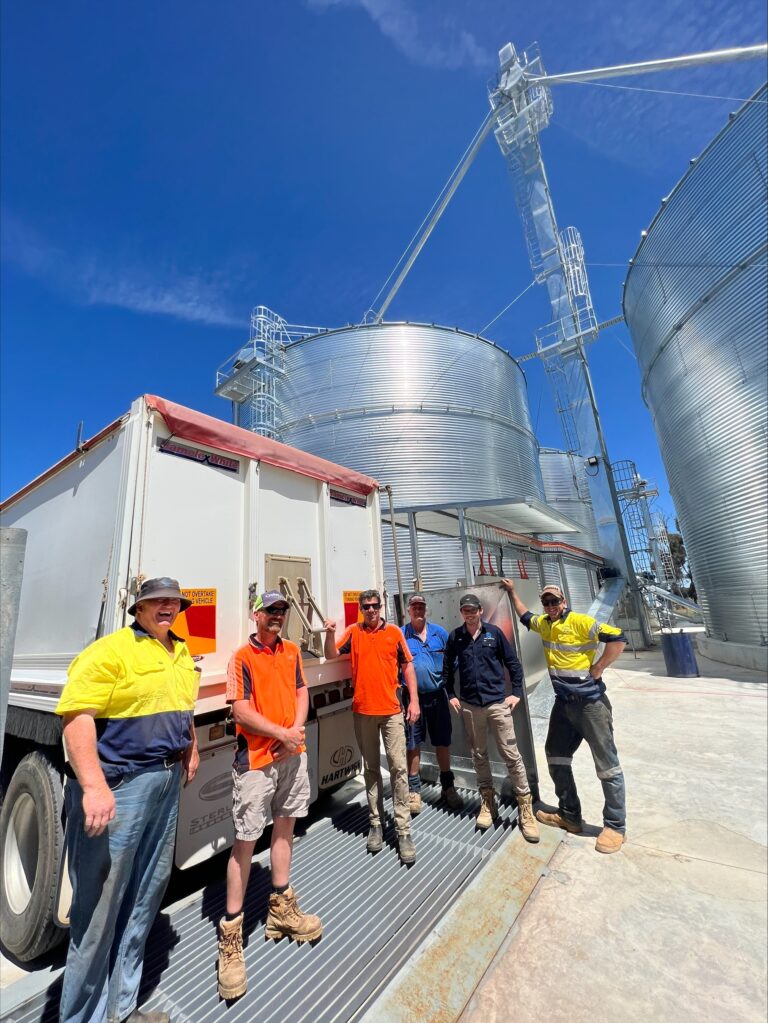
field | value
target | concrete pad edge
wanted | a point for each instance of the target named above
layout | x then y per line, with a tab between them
439	980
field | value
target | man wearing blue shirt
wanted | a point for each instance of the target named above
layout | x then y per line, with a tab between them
426	641
481	652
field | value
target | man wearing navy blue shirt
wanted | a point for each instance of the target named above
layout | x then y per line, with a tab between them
481	651
426	641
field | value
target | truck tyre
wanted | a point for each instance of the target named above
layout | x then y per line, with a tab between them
31	847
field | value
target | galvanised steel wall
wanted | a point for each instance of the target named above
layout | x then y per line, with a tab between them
565	488
695	303
437	414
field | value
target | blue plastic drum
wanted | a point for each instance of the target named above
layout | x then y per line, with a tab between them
679	658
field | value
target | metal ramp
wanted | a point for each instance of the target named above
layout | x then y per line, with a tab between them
375	913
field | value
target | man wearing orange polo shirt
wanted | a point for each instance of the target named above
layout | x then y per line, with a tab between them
379	653
268	693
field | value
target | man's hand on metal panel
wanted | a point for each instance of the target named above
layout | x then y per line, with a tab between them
98	809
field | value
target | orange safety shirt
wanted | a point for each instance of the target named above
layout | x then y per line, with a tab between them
268	680
376	658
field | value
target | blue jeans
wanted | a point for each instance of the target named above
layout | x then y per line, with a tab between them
118	880
570	722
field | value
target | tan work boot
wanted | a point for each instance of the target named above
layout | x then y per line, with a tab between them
285	919
525	819
232	979
610	841
556	820
414	803
488	809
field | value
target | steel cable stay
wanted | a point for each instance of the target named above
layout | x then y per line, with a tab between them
428	214
671	92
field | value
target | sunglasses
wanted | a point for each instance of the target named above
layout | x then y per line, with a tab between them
550	603
276	610
370	607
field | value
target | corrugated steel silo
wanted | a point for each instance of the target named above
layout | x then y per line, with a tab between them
695	303
566	489
438	414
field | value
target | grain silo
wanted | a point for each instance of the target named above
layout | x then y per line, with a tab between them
438	414
695	303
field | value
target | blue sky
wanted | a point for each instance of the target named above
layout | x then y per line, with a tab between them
167	166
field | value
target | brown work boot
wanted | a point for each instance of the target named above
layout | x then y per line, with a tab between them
525	819
414	803
488	809
147	1017
285	919
610	841
452	798
232	979
556	820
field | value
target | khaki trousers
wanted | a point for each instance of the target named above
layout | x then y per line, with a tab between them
390	727
498	718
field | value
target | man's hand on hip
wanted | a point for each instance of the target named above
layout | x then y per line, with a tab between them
98	809
512	701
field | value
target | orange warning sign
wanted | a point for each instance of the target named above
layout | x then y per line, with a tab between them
352	612
197	625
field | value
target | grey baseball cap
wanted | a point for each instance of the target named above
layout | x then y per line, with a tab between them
417	598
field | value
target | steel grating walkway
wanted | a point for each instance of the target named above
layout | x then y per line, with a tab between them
375	913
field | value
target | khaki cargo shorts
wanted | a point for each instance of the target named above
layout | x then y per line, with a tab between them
278	790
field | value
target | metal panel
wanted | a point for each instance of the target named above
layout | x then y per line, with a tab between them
375	913
695	303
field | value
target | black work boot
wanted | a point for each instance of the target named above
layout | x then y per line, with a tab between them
375	839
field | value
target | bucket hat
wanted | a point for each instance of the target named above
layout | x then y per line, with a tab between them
154	589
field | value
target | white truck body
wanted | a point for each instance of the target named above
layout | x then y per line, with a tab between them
166	491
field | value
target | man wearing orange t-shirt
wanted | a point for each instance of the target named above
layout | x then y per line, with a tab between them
379	653
268	694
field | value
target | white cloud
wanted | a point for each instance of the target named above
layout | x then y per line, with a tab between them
420	35
93	280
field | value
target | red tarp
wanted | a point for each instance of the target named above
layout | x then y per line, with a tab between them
186	424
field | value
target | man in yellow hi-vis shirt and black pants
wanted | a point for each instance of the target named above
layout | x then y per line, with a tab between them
582	711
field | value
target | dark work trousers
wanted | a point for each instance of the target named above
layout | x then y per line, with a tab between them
570	722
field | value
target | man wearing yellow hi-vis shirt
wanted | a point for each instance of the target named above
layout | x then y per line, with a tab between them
581	711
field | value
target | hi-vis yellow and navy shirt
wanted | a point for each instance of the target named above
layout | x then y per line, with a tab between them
143	698
570	647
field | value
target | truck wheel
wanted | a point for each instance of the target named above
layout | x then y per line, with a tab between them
31	843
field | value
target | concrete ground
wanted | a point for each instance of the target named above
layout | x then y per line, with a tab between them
675	925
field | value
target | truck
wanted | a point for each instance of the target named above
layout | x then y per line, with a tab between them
165	490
